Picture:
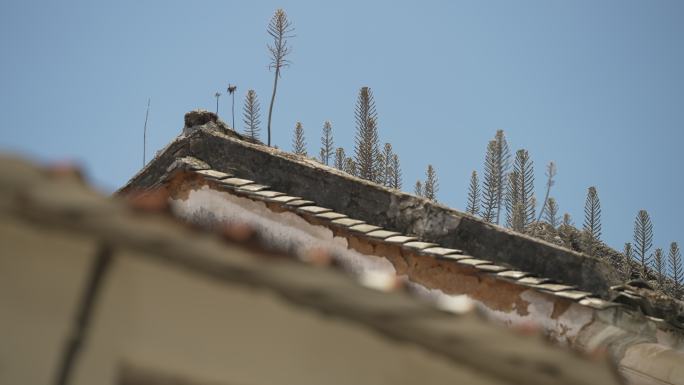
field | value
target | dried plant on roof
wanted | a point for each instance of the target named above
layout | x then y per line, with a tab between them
280	29
217	95
519	199
490	184
551	215
380	176
525	171
431	186
340	157
395	176
513	213
327	145
473	205
567	220
231	91
418	188
350	167
676	271
643	241
659	269
251	115
367	149
147	115
298	141
592	220
515	210
625	268
550	174
502	161
387	165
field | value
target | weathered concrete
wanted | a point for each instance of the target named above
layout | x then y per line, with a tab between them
391	209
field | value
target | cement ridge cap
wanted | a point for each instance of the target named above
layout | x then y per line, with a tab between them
395	193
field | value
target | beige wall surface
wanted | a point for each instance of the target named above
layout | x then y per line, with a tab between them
169	320
41	274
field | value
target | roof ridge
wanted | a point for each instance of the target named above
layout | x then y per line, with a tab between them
391	208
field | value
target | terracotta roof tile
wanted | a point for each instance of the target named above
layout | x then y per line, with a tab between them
554	287
252	187
513	274
283	199
491	268
213	174
314	209
236	182
453	257
347	222
418	245
331	215
574	295
364	228
381	234
440	251
300	203
267	194
474	262
399	239
597	303
533	281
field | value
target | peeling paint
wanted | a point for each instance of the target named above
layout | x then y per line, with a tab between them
559	307
506	302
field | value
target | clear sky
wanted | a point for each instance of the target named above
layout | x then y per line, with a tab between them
596	86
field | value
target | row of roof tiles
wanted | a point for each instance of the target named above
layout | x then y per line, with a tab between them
256	191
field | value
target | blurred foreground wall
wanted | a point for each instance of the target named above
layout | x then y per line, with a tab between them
111	292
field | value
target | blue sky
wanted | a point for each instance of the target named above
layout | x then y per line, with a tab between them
596	86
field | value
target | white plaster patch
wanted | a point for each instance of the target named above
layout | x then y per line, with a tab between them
452	303
564	329
285	232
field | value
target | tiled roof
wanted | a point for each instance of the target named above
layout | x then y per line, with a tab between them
377	234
